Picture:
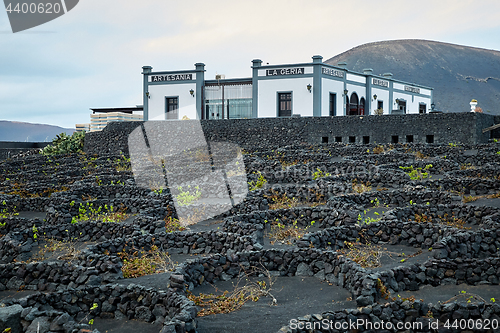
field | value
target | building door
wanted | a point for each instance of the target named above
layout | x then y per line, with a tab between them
172	108
354	104
284	104
333	105
361	109
422	108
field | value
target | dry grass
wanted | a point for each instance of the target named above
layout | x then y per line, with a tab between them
360	187
139	263
451	221
467	166
233	300
378	149
366	255
286	164
470	198
19	189
286	234
172	224
420	156
198	215
282	201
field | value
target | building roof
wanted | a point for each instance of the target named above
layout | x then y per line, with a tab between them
124	110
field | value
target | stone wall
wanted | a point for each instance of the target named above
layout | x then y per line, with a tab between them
386	317
444	128
9	149
64	311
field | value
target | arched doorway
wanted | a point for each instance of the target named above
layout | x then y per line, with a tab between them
362	106
353	105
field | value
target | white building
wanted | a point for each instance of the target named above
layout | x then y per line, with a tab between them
311	89
83	127
100	117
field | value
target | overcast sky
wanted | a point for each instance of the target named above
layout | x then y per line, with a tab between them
93	55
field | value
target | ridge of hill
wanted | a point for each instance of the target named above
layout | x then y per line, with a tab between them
29	132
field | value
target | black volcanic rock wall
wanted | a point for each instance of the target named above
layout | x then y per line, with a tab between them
271	132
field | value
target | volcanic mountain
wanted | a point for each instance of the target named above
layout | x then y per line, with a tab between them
28	132
457	73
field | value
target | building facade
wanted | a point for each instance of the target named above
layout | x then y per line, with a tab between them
100	117
311	89
82	127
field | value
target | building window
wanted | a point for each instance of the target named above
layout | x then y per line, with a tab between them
284	104
172	107
231	101
422	108
333	104
380	105
402	106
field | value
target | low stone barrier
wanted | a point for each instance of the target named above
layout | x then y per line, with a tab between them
401	315
62	311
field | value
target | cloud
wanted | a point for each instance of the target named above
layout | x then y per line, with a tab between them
95	55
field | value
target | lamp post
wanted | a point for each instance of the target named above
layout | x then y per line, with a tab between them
345	100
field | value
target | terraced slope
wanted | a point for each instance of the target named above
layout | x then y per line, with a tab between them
395	233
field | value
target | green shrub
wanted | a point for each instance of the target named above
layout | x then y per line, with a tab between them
417	173
255	185
5	213
320	174
65	144
185	198
101	214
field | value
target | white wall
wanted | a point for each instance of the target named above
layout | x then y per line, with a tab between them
187	103
382	95
398	86
336	87
356	78
359	90
302	99
412	102
425	91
